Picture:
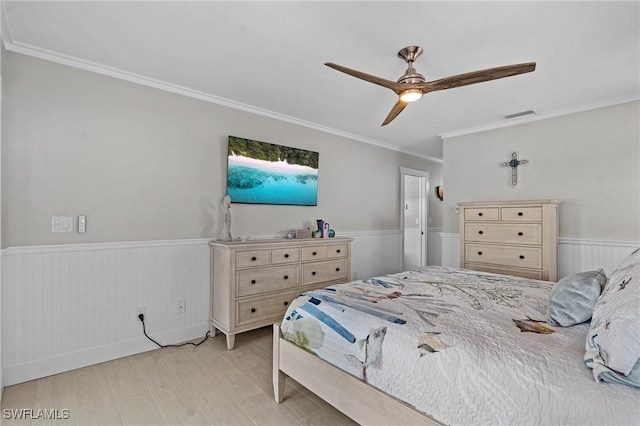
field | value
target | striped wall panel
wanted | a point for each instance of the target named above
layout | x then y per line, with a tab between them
65	307
586	255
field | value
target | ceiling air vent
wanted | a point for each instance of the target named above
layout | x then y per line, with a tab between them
520	114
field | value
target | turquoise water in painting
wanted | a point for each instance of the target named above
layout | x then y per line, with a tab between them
272	184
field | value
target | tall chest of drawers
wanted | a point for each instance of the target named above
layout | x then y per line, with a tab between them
253	282
510	237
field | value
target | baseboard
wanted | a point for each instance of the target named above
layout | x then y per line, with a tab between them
70	361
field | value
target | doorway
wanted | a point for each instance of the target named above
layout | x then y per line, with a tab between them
415	188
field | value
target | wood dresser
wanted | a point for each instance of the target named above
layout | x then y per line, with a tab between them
253	282
510	237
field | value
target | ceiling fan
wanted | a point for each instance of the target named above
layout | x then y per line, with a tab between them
411	86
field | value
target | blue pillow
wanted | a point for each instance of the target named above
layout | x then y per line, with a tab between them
572	298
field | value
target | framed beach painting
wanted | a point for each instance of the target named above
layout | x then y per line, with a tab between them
266	173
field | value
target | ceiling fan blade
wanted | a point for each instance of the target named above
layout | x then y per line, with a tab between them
478	76
397	109
367	77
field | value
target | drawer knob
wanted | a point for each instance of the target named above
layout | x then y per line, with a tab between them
520	214
253	281
479	253
286	303
337	269
253	310
313	273
253	259
521	257
338	251
480	232
286	277
480	214
520	234
314	253
286	255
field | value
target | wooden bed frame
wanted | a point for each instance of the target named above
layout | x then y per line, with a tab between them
360	401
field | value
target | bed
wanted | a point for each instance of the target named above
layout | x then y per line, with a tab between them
442	345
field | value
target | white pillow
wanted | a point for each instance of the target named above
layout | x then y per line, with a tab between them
613	342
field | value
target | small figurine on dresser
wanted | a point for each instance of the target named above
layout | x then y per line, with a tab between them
226	230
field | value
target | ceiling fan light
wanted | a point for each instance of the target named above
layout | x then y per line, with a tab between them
410	95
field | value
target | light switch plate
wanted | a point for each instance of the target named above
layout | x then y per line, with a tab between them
61	224
82	224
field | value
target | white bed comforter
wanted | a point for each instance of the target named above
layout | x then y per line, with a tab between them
446	341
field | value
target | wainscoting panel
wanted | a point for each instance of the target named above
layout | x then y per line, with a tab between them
587	255
450	249
68	306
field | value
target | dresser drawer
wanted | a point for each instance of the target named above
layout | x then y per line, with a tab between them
286	255
482	213
510	233
324	271
247	259
313	253
523	257
263	309
521	214
262	280
337	250
524	273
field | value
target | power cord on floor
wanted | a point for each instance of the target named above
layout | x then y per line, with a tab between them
144	330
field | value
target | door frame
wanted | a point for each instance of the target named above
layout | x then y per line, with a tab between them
425	209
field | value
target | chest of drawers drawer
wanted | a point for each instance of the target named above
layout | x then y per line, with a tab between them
258	310
482	213
523	257
285	255
533	274
324	271
337	250
313	253
263	280
507	233
521	214
252	258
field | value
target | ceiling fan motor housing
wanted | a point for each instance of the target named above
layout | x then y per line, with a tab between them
410	54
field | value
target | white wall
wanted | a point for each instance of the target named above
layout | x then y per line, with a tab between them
589	161
144	164
148	169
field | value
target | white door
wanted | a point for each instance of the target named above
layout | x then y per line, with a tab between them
414	213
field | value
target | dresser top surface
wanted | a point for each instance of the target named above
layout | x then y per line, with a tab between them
507	203
280	241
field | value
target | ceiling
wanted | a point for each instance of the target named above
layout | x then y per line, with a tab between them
267	57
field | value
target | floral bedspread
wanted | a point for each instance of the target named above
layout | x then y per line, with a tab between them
463	346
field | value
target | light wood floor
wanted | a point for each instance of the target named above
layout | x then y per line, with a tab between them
205	385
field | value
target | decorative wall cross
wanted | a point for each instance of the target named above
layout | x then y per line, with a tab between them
514	163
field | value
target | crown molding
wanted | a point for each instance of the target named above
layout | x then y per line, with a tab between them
542	116
71	61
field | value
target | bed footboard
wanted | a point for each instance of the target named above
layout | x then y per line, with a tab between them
355	398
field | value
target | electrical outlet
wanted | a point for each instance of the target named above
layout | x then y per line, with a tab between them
181	306
141	310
